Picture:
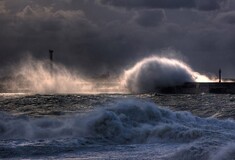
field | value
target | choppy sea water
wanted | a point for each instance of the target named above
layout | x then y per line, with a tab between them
164	127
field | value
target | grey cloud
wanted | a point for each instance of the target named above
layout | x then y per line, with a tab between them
166	4
3	9
96	39
227	17
77	41
208	5
35	29
150	3
150	18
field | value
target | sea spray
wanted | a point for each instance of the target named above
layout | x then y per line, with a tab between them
226	152
126	126
123	121
38	76
150	73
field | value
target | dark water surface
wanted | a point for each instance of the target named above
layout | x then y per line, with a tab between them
117	126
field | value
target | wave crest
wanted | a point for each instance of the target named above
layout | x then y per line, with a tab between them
155	71
128	121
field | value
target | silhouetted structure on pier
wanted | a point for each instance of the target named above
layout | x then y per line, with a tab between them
200	87
51	60
220	76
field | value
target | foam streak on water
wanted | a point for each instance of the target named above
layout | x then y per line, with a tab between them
132	127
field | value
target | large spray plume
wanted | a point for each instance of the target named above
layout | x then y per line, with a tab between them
155	71
38	76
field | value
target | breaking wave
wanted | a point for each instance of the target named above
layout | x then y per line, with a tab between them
39	77
153	72
226	152
127	121
121	123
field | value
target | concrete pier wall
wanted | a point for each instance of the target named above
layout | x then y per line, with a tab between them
195	88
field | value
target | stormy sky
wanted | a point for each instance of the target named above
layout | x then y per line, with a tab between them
101	36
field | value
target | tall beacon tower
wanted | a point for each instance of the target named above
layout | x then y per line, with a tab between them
220	75
51	60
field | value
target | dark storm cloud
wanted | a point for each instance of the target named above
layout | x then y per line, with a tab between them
94	46
150	18
96	39
227	17
35	29
170	4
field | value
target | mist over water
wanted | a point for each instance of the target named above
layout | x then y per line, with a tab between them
103	126
39	76
156	71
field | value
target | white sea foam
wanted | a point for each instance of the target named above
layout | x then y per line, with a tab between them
38	77
128	121
123	122
226	152
156	71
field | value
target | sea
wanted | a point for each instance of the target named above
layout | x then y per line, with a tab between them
117	126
